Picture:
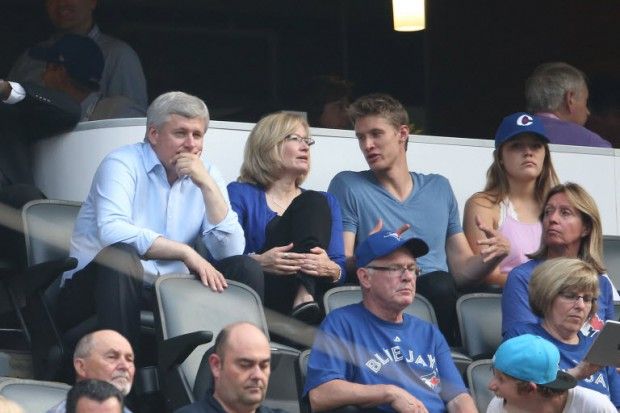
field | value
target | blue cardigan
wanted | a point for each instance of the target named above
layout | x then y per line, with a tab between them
250	204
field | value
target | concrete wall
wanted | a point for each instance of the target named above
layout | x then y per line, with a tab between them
64	165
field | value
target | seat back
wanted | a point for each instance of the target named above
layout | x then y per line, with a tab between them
349	294
48	226
34	396
184	306
480	322
301	370
478	375
611	256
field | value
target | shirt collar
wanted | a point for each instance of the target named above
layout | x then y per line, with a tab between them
151	161
88	105
94	33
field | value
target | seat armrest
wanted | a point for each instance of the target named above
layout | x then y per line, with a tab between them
175	350
40	276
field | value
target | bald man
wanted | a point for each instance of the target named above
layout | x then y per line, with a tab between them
241	367
103	355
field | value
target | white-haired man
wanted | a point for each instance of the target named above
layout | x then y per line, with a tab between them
149	204
103	355
376	356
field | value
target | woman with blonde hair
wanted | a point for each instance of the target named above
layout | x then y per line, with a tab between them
563	294
572	229
294	234
517	181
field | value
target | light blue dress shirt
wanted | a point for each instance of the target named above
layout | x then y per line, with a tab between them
131	201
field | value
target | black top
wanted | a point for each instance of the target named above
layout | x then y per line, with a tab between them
41	114
210	405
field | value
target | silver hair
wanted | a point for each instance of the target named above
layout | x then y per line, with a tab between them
547	85
175	103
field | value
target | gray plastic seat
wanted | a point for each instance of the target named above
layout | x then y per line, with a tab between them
350	294
190	316
48	227
480	322
478	375
34	396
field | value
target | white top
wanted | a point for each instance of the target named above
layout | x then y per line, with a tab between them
580	400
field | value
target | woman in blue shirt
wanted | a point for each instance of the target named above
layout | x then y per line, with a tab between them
571	228
295	234
563	292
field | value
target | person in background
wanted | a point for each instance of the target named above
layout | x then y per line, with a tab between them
517	182
74	65
326	100
28	113
122	74
294	234
563	293
572	229
527	379
558	93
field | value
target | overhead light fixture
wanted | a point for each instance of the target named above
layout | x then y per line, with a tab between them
408	15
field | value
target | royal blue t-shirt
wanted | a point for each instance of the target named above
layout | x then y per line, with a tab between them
354	345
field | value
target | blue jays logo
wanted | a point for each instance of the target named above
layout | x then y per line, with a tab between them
431	380
392	235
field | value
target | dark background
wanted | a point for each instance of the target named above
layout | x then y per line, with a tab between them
459	77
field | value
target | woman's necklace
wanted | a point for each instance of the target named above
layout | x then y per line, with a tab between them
278	204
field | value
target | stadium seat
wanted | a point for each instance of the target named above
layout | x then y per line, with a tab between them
34	396
189	316
480	322
478	375
340	296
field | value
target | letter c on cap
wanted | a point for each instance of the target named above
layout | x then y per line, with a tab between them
524	120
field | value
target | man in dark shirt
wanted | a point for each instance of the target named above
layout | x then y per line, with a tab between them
27	113
241	366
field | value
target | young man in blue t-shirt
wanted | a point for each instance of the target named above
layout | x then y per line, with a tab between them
389	192
372	354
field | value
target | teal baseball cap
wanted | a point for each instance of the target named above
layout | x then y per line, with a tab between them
532	358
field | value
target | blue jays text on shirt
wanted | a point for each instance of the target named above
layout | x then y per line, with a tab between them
395	354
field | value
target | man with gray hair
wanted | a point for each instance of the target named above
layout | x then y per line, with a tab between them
102	355
558	93
149	203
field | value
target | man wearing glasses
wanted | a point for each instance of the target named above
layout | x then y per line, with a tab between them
374	355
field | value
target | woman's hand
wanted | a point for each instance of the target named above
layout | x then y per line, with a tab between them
584	369
318	264
279	260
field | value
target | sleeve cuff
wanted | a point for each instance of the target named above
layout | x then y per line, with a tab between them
18	93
